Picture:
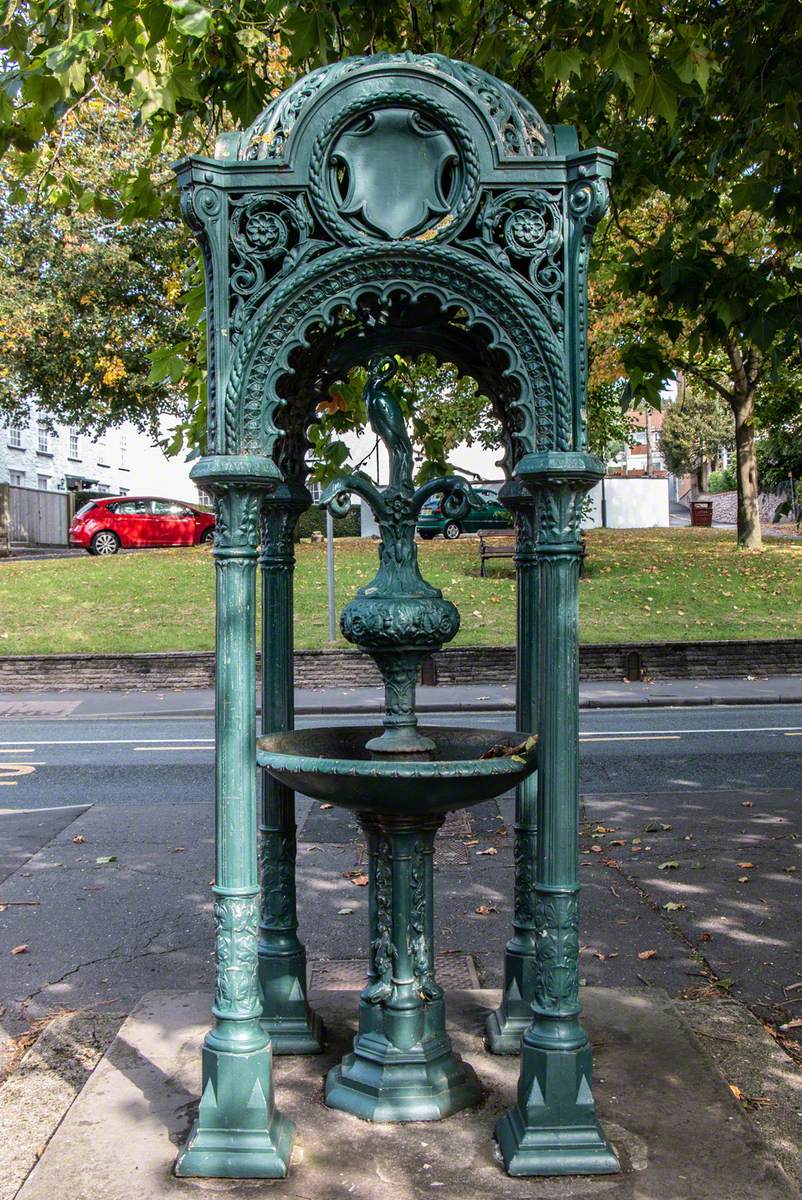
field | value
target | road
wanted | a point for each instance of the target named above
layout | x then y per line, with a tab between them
106	856
46	763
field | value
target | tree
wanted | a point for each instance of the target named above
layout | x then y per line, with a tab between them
87	298
701	101
695	429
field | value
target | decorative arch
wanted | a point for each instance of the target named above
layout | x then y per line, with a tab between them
537	413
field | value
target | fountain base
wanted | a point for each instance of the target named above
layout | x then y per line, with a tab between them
379	1082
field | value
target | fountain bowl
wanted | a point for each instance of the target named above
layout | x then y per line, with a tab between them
332	763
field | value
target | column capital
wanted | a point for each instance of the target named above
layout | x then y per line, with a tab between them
560	481
280	510
237	484
548	469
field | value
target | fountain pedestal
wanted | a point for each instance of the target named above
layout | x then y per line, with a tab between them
402	1067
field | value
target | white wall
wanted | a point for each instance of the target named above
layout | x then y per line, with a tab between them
631	504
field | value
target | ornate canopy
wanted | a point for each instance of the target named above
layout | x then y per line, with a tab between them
395	203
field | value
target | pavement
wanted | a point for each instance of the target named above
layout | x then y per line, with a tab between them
677	1128
691	844
199	702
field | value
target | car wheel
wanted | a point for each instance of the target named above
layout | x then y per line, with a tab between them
452	530
207	536
105	542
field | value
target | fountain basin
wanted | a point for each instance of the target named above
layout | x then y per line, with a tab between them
333	764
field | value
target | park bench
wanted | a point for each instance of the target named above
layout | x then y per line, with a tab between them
497	543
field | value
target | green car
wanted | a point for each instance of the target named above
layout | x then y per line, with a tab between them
485	513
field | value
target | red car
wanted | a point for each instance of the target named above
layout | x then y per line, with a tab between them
103	526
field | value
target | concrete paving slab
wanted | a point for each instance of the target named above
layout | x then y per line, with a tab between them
676	1125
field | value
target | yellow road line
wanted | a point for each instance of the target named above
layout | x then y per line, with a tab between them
796	733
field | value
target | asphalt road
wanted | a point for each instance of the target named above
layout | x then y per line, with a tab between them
106	855
157	760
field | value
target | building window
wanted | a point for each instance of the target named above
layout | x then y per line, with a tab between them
74	443
42	482
43	440
16	478
101	453
205	498
315	490
15	436
123	450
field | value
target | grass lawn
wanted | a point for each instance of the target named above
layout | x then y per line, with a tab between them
643	585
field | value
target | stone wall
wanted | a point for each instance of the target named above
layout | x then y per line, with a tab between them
455	665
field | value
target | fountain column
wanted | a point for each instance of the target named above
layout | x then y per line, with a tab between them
506	1025
402	1067
292	1025
238	1133
553	1128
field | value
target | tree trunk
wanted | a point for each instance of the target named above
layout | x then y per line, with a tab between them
743	406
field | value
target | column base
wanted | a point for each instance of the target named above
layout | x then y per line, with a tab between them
238	1134
553	1128
293	1027
379	1082
506	1025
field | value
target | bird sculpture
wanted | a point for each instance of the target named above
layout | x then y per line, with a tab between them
386	420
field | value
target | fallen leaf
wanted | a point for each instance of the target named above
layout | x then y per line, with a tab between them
745	866
795	1024
489	850
472	842
325	806
484	909
79	839
656	827
705	937
743	878
344	912
673	906
178	849
736	1091
618	842
106	858
788	870
671	865
23	949
595	849
360	880
644	954
746	804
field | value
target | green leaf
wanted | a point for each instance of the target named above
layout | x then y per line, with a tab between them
42	90
671	865
664	99
628	64
193	19
562	64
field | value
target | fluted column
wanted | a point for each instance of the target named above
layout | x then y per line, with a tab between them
505	1026
293	1027
553	1128
238	1133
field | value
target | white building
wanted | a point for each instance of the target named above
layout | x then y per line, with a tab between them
121	462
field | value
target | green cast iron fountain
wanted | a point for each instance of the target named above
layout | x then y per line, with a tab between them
408	204
400	781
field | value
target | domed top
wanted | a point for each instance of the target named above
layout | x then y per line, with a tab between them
521	130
